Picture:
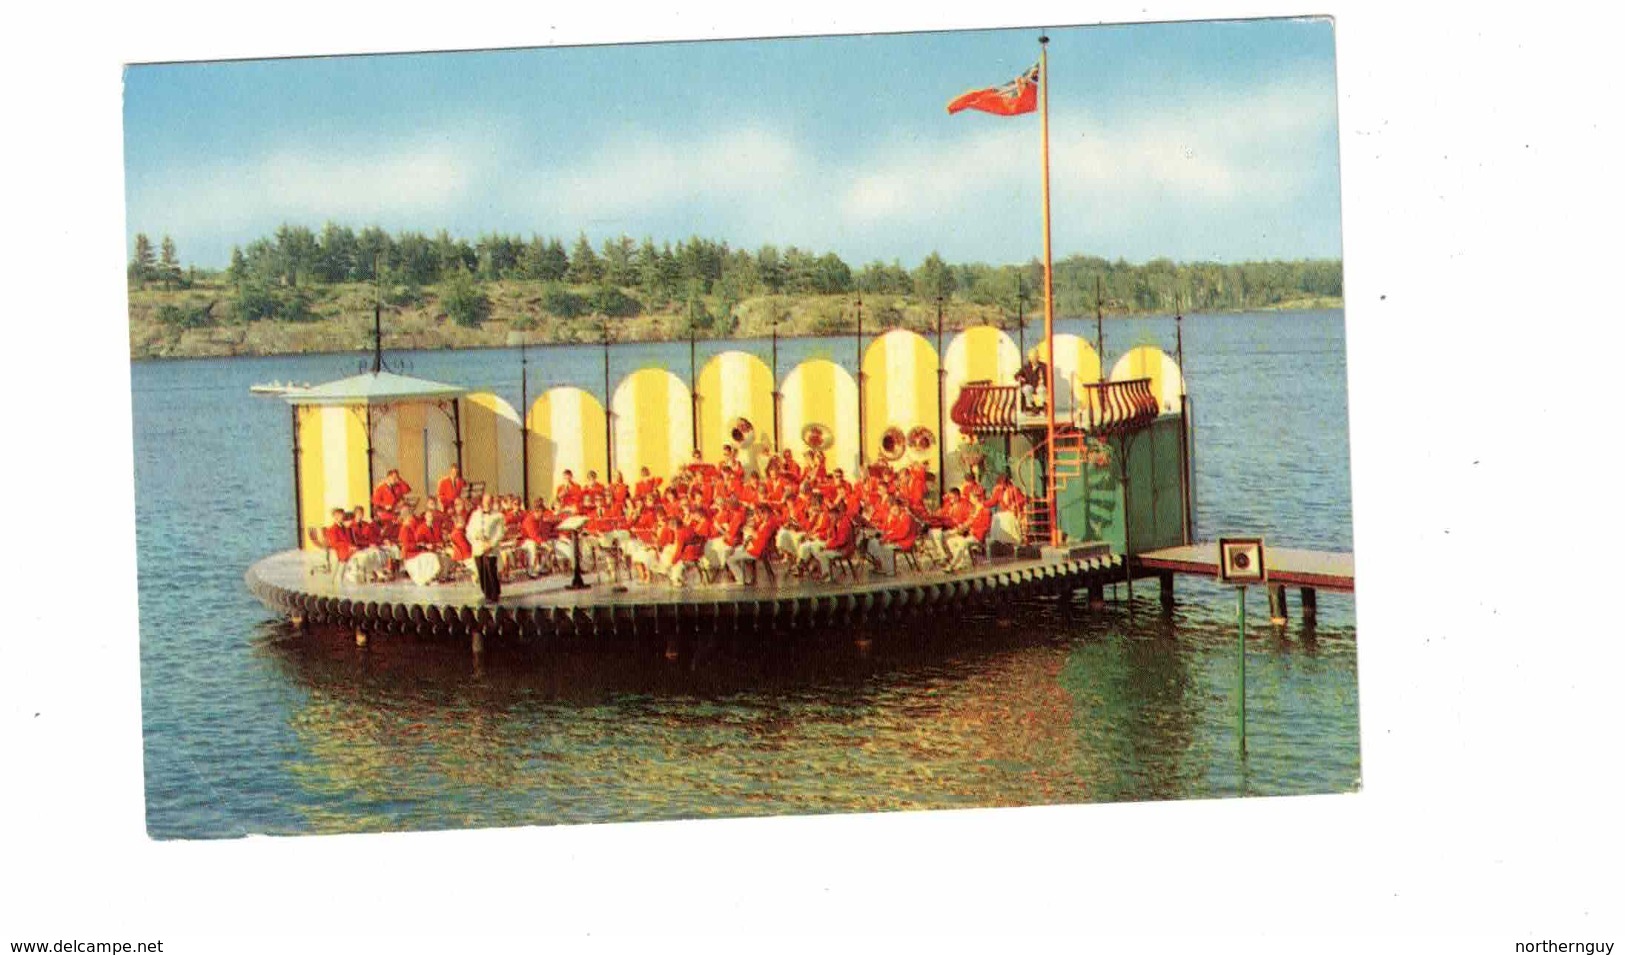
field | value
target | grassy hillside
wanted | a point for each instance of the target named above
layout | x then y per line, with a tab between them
204	320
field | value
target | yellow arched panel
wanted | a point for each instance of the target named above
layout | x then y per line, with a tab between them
1075	362
332	463
821	392
982	353
313	510
1149	361
899	389
653	423
731	386
566	433
491	443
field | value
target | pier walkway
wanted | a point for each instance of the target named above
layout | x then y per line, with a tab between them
1308	570
1321	570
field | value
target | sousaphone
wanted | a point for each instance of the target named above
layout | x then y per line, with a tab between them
893	443
922	439
816	437
743	433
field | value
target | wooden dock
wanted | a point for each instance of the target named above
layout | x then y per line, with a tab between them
544	608
1310	571
1320	570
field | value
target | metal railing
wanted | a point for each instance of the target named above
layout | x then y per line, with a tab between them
1108	407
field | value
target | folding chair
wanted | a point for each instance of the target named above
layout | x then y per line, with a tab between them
316	538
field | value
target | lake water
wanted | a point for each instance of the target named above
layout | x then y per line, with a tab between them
250	729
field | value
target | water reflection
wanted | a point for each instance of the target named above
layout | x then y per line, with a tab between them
1025	706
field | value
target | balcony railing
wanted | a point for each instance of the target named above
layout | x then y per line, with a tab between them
1108	407
1113	407
985	408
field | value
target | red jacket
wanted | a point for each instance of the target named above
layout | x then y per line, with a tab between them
339	539
461	549
690	546
980	523
533	528
734	532
411	539
766	533
901	529
388	495
840	536
450	490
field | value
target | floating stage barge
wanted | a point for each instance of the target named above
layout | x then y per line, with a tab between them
1103	463
544	608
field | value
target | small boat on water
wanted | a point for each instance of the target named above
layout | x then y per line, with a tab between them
278	388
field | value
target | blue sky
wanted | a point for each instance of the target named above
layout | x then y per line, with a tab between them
1212	140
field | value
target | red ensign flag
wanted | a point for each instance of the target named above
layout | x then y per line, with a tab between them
1018	96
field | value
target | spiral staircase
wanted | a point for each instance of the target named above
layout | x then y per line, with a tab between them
1103	410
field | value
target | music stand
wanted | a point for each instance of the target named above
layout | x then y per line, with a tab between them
573	525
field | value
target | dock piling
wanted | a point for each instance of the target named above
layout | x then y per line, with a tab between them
1306	602
1277	594
1165	580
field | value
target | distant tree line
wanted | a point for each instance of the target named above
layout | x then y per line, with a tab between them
702	278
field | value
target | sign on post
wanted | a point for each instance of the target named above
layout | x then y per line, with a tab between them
1241	562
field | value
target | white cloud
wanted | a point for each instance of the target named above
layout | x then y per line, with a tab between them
1209	152
1135	181
312	184
645	174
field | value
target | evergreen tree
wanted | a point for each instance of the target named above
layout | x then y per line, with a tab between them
169	268
142	262
237	272
585	267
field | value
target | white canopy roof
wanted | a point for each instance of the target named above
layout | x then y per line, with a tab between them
373	388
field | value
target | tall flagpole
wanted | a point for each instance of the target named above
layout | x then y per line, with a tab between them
1049	301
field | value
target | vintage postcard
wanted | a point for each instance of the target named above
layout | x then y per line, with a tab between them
761	427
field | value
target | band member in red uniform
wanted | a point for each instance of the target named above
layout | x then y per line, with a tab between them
761	545
419	540
838	541
337	536
915	485
536	534
462	550
898	535
972	531
593	493
646	485
389	495
569	494
618	494
690	547
451	487
407	536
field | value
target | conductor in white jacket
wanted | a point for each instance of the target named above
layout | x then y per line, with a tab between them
485	530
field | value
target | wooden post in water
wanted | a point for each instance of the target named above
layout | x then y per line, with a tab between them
1277	604
1241	668
1306	596
1166	580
